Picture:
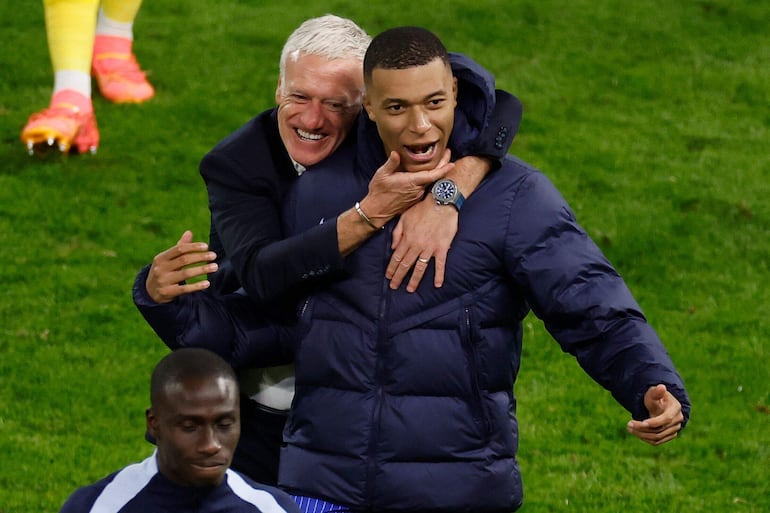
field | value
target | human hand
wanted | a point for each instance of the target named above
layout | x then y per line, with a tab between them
171	268
424	231
665	420
392	191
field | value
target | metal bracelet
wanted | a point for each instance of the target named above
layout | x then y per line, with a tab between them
365	218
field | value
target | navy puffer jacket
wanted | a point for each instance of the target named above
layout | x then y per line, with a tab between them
404	401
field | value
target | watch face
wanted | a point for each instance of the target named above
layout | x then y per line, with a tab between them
445	190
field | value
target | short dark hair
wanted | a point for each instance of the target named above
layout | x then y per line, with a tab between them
401	48
188	363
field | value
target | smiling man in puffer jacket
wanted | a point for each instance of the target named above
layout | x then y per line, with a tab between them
404	401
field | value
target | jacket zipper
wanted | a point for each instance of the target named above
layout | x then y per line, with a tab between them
480	414
303	308
371	469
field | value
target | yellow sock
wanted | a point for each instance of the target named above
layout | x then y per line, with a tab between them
70	26
123	11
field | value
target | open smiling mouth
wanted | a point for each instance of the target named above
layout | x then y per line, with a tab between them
308	136
421	152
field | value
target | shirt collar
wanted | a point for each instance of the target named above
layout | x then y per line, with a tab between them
299	168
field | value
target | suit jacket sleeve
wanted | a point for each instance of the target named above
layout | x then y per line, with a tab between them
233	326
486	119
247	176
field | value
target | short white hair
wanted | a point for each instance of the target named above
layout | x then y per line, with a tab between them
327	36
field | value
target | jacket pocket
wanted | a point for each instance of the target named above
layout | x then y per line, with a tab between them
304	321
470	338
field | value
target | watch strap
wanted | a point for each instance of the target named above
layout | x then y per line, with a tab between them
459	200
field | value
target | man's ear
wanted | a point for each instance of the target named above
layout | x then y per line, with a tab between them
278	94
152	422
368	106
454	89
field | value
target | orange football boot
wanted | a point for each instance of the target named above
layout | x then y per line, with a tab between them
62	125
117	72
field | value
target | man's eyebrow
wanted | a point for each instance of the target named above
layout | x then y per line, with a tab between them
440	92
427	97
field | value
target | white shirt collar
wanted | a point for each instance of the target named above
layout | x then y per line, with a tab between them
299	168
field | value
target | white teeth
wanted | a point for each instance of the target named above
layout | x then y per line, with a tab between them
308	135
